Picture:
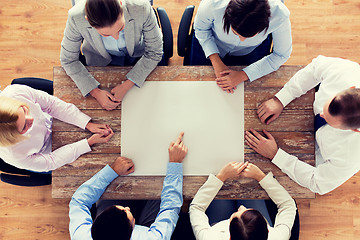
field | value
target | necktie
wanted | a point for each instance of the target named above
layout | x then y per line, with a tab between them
319	122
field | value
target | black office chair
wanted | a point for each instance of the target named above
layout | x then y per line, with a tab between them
22	177
168	40
185	34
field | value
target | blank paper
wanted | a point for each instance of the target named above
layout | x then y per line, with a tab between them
154	115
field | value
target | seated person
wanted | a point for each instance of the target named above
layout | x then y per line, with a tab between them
337	110
113	32
244	223
227	29
26	118
117	222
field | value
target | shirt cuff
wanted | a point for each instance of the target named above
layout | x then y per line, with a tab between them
174	168
214	180
209	47
128	78
83	120
280	158
252	75
108	173
83	147
284	97
266	179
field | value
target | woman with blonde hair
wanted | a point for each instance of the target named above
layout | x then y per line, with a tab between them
26	118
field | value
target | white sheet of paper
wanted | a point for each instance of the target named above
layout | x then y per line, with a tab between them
212	120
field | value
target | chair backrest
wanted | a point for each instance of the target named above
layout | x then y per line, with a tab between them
168	39
184	38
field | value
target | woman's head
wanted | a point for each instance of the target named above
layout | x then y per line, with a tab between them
102	13
248	224
247	17
15	120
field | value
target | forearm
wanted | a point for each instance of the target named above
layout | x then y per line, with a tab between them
284	202
61	156
217	64
171	202
84	197
319	179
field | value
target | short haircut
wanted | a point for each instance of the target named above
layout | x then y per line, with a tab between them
250	226
102	13
247	17
9	134
346	105
112	224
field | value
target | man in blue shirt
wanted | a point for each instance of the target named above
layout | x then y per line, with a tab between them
235	32
117	222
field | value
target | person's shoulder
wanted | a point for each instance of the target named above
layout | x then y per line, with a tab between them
214	5
336	63
78	9
279	12
135	3
15	89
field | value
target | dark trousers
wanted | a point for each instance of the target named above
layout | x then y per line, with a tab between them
197	55
144	211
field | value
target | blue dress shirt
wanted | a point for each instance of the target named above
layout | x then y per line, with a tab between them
208	25
89	192
115	47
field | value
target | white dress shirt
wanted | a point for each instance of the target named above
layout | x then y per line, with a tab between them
337	151
34	153
220	231
208	25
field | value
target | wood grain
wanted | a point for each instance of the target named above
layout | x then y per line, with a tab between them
293	131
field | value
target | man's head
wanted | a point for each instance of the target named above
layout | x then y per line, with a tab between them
106	16
15	120
343	111
115	222
248	224
246	18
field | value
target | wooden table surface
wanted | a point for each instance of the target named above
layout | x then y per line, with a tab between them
293	131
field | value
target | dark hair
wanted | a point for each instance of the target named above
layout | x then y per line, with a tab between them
247	17
347	105
102	13
250	226
112	223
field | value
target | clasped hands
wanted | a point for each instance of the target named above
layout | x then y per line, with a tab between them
234	170
110	100
229	79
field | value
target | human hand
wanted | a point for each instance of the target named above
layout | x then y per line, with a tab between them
100	138
105	99
266	147
123	166
230	79
252	171
177	150
103	129
270	110
231	170
120	90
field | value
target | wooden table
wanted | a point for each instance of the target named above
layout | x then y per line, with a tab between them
293	131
